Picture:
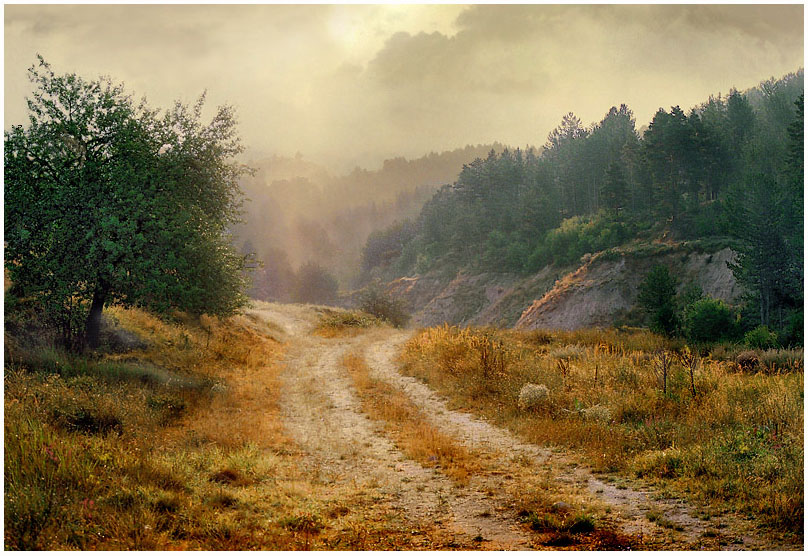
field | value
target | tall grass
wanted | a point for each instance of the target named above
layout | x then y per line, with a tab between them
177	445
121	451
738	442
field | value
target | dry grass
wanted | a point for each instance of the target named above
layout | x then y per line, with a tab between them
737	443
409	427
335	324
176	446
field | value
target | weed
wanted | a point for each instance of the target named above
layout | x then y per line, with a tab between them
582	523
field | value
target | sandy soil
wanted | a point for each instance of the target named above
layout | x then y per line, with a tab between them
323	414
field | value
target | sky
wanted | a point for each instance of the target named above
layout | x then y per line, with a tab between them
348	85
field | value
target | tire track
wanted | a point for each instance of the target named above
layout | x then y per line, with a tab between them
630	505
323	414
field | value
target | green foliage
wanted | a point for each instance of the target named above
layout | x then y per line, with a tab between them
577	236
657	295
315	285
709	320
375	301
382	247
109	201
732	166
793	331
760	338
767	266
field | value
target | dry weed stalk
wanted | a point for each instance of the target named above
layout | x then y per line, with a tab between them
690	360
492	355
662	363
563	366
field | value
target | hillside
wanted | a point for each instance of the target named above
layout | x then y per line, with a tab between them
601	292
562	238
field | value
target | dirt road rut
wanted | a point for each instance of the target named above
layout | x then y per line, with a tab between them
323	414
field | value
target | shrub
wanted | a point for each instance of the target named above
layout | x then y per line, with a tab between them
760	338
709	320
597	413
376	302
747	360
336	323
532	396
315	285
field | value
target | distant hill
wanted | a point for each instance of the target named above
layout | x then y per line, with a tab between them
297	211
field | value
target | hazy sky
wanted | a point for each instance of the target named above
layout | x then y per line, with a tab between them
354	84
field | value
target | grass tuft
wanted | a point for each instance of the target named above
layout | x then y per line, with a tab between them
345	323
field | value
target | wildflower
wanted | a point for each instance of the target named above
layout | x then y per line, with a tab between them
50	453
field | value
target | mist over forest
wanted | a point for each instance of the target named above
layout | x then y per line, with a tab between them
404	277
587	188
298	212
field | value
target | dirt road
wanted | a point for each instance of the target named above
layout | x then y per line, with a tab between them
343	445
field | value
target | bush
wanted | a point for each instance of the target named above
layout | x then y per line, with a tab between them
375	301
760	338
532	396
747	360
709	320
315	285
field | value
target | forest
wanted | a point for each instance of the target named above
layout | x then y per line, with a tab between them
728	172
302	220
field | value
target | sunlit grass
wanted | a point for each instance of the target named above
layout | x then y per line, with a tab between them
737	443
176	445
345	323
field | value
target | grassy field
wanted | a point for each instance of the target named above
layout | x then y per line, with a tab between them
729	433
178	445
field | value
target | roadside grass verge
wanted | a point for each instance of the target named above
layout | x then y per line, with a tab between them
408	426
176	445
737	444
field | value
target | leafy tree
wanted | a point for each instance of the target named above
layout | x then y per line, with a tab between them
315	285
657	295
384	246
109	201
709	320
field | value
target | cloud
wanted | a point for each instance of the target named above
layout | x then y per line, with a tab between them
353	84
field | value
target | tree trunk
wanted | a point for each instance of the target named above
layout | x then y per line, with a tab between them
93	328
